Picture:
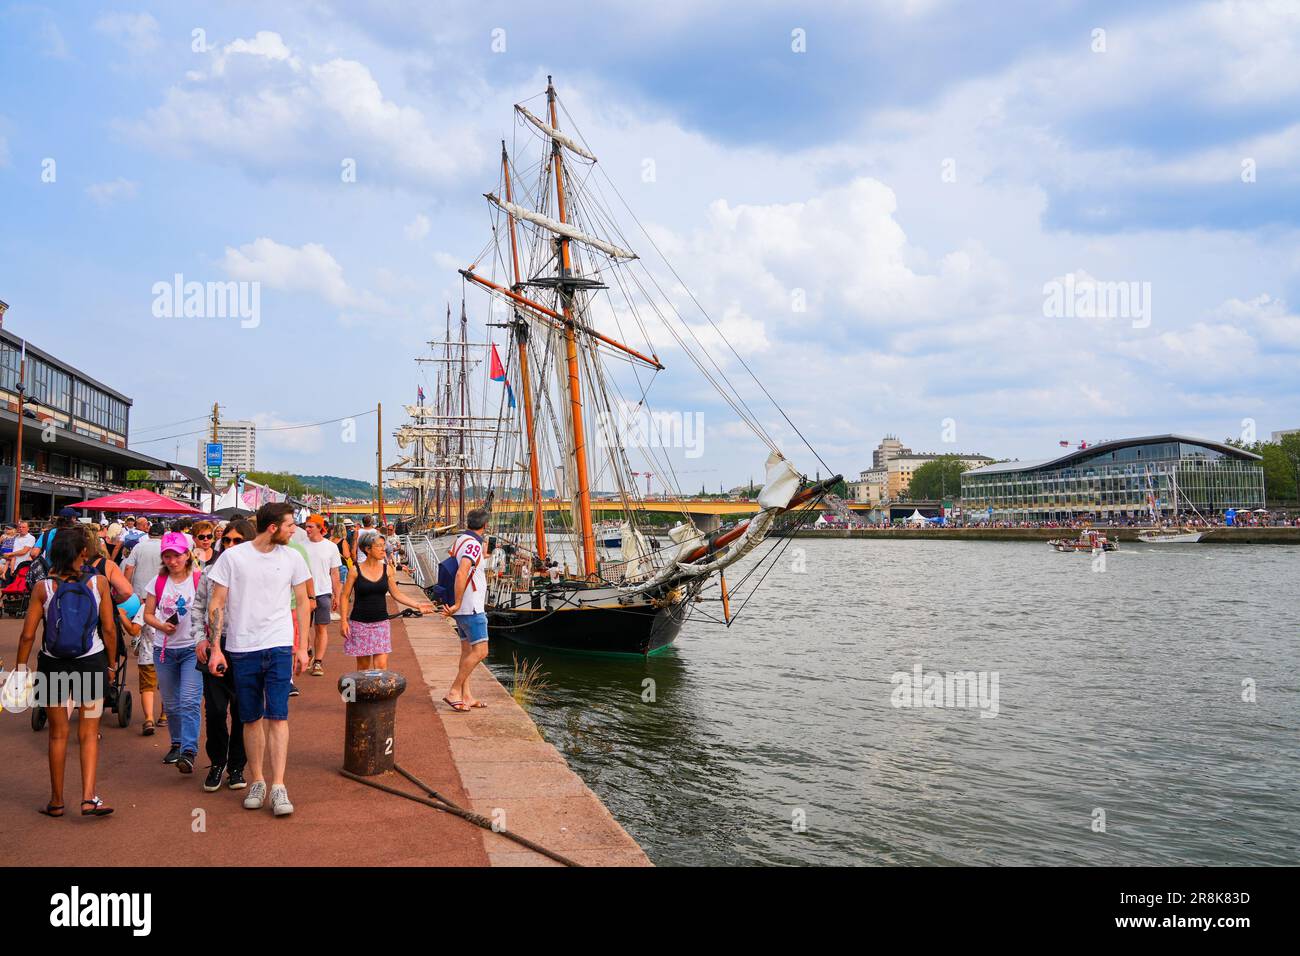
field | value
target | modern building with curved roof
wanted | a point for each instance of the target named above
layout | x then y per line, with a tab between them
1119	479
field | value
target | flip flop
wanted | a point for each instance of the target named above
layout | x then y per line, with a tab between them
97	808
457	705
147	729
49	810
478	705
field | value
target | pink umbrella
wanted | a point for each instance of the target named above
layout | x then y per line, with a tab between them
145	502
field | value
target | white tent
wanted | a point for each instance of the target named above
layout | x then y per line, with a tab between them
916	517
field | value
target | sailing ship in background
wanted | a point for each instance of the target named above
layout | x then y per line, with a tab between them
557	269
1183	535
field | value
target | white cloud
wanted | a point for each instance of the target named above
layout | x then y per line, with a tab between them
308	268
261	107
105	194
417	228
265	44
1266	317
137	32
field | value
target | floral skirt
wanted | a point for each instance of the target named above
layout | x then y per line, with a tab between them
367	638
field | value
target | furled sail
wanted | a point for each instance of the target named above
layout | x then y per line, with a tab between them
555	134
561	228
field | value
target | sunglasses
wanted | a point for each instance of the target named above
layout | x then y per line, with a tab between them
228	540
203	537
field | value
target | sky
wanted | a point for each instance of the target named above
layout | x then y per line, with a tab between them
982	228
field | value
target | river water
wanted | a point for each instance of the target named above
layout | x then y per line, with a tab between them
1116	724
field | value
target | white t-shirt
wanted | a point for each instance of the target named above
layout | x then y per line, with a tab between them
322	556
23	541
257	605
472	601
144	564
142	643
178	599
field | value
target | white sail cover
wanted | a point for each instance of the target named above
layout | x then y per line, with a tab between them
555	134
406	435
560	228
421	411
781	484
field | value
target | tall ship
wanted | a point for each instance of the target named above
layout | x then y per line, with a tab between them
543	430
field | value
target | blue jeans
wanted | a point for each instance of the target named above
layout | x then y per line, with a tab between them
182	691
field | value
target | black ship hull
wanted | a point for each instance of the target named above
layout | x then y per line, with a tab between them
641	630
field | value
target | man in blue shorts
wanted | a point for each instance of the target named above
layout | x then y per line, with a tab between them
250	595
467	610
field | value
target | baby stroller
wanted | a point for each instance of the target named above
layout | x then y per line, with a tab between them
116	697
16	595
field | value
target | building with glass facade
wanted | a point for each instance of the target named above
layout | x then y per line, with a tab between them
1114	480
74	433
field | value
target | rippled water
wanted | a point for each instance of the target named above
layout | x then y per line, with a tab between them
1118	691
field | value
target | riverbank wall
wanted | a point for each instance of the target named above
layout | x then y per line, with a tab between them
1215	536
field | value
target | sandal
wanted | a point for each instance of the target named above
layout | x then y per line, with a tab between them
162	721
50	809
97	808
147	729
478	705
459	706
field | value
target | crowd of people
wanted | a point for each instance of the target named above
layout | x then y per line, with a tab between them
220	618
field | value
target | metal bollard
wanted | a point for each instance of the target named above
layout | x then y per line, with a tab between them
371	698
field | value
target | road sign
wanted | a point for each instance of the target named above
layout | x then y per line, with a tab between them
214	471
214	453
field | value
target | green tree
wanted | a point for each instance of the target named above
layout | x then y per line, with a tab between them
136	477
1281	466
279	480
938	478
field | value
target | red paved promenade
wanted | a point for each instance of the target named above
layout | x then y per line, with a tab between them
337	822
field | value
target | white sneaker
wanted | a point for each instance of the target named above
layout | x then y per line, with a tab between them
280	804
256	795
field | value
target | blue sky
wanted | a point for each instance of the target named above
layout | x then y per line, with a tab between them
920	173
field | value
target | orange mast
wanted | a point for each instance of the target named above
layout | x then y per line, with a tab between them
521	336
571	350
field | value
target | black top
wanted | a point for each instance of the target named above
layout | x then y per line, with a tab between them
368	603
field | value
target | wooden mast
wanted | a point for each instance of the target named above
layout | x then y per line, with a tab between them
521	337
571	354
464	411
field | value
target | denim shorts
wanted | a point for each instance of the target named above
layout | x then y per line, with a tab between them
262	680
472	627
321	612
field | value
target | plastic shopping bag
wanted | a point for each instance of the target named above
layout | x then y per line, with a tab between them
18	692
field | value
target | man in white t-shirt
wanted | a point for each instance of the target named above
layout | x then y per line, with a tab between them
324	561
24	541
468	609
251	587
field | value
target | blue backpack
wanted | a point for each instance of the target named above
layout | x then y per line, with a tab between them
71	616
445	589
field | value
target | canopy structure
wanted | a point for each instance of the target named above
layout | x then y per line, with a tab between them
144	502
916	516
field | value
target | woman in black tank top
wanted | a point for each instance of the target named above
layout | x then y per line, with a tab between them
367	635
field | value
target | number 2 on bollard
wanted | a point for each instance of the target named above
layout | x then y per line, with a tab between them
388	747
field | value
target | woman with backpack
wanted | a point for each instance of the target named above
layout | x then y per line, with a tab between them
168	610
367	635
77	610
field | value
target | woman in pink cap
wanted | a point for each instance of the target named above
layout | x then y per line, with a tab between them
168	610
